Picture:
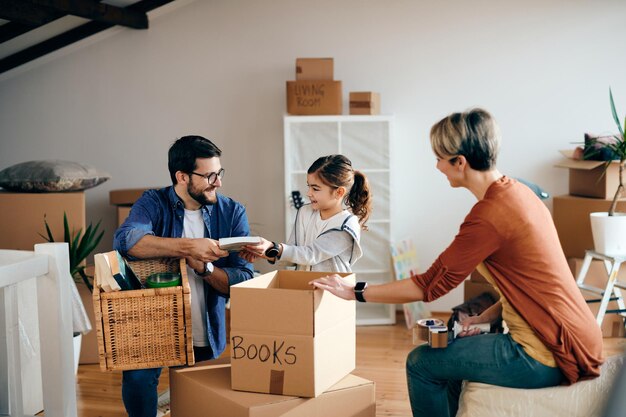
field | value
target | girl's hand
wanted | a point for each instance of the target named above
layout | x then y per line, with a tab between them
259	249
335	285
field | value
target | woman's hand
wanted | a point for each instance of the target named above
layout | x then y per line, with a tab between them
467	322
335	285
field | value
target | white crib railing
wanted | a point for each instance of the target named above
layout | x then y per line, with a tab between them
49	263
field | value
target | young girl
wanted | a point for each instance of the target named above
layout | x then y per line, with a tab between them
325	237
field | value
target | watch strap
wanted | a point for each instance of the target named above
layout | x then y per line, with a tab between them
208	269
359	288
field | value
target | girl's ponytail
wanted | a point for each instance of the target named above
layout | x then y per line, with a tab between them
360	198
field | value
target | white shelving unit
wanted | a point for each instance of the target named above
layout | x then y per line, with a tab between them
366	141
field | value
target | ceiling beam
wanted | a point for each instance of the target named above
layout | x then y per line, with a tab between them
11	30
25	13
69	37
94	10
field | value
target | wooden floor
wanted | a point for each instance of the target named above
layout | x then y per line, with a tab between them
381	353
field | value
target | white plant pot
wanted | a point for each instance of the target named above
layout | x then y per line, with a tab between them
609	233
77	342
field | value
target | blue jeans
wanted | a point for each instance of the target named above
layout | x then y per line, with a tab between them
139	387
435	376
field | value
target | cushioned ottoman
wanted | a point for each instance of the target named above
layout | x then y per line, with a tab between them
583	399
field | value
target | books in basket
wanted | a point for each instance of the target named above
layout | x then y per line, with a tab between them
114	274
236	244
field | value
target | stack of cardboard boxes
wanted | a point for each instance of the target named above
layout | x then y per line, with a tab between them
315	92
590	190
292	349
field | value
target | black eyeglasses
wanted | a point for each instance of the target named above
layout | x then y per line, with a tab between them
212	177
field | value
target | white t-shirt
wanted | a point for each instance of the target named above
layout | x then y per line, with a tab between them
193	227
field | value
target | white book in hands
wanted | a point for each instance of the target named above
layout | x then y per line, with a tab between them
236	244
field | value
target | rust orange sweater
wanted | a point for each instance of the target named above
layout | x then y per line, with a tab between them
512	232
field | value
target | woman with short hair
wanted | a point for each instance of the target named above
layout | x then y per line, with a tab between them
509	236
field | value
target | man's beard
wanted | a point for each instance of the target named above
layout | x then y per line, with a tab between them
200	197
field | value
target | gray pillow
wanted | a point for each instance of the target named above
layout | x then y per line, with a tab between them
50	176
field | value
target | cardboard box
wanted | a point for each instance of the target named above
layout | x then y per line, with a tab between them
287	338
122	214
204	389
125	197
571	219
314	69
478	277
89	343
612	324
364	102
23	214
587	178
314	97
474	289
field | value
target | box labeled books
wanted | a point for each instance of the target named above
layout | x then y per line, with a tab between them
303	342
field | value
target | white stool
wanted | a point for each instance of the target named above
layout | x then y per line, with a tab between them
612	291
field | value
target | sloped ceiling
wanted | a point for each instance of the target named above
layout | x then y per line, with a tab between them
30	29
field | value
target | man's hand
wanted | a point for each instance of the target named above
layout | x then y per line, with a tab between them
248	256
196	264
335	285
206	250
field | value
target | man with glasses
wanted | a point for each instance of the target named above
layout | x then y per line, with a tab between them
186	220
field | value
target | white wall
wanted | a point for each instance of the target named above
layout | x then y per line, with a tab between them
218	68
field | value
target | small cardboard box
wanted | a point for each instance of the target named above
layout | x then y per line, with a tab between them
571	219
612	324
125	197
474	289
478	277
364	102
288	338
122	214
204	389
587	178
314	69
314	97
23	214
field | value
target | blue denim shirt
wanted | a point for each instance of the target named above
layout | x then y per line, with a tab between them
161	213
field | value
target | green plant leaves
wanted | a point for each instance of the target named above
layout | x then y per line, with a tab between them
615	117
79	246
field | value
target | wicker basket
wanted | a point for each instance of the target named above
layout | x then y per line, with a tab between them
147	328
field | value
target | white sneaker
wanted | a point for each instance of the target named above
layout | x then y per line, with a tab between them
163	404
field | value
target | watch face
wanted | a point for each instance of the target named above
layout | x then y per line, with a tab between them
272	252
209	268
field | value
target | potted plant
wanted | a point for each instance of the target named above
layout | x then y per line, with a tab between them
609	228
80	246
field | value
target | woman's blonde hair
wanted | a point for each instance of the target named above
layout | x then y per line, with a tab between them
473	134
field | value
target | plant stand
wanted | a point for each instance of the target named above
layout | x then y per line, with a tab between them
612	291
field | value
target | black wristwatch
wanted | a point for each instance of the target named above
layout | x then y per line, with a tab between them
272	252
359	288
